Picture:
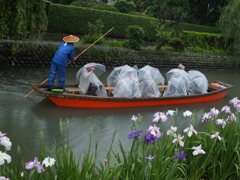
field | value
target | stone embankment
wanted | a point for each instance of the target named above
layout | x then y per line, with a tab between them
16	53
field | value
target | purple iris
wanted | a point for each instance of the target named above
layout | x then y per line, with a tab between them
150	157
149	138
134	134
181	156
35	164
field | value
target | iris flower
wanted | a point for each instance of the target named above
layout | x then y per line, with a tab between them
34	164
134	134
5	141
150	157
172	131
2	134
134	118
3	157
206	117
198	150
232	118
159	116
238	108
214	112
154	130
190	130
170	112
226	109
48	162
221	122
187	113
149	138
3	178
179	139
234	101
216	135
181	156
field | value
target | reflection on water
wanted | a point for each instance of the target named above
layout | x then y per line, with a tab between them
23	118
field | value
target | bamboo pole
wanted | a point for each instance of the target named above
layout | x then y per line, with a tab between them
75	57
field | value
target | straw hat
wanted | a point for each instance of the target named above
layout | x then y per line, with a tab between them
71	39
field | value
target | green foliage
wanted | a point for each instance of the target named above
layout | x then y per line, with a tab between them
89	39
177	43
116	43
20	17
135	35
196	28
66	2
205	12
75	21
206	41
96	28
124	6
162	36
69	166
169	12
105	55
106	7
229	23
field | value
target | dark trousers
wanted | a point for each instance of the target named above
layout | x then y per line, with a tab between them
92	90
54	69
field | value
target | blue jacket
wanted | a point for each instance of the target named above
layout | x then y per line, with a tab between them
64	52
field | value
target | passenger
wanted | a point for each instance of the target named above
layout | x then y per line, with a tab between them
89	84
151	81
179	82
127	86
200	82
148	86
64	53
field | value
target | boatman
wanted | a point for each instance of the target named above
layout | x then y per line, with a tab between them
59	62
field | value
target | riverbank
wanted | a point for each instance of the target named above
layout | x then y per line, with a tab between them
36	54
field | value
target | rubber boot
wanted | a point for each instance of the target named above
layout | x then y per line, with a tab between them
49	88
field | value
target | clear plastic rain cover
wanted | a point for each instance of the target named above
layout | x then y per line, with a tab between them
124	79
200	82
85	78
150	78
179	83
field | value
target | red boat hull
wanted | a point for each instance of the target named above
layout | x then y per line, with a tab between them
72	99
88	103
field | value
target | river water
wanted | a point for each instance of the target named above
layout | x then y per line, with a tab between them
24	118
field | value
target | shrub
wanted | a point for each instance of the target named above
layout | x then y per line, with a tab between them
95	28
115	43
123	6
162	37
135	36
89	39
176	43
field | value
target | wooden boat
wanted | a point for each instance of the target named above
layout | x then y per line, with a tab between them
72	98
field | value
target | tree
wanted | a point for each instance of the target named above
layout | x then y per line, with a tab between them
229	24
19	17
169	12
205	12
123	6
66	2
135	35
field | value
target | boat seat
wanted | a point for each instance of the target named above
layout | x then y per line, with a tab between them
73	91
109	91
